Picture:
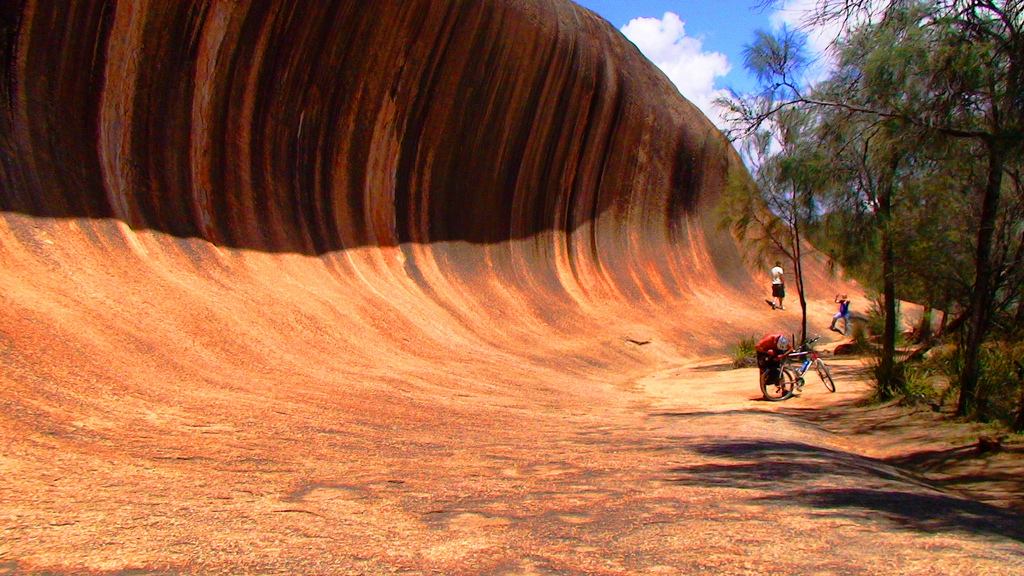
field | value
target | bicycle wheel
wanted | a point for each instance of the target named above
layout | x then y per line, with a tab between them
826	376
777	385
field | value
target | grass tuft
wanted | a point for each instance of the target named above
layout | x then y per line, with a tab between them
743	353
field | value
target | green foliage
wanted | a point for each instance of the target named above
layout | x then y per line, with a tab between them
1000	392
743	353
775	56
918	383
1001	385
875	313
920	129
859	333
945	361
910	382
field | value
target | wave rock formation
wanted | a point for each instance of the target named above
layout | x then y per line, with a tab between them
284	220
499	173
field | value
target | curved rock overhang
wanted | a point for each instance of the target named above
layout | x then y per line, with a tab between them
448	176
261	258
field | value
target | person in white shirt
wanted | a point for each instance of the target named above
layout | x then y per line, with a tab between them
778	287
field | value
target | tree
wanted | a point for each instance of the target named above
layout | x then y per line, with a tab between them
943	69
866	179
774	217
822	148
1009	306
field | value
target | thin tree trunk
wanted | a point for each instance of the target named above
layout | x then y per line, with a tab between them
887	366
1017	328
798	271
803	307
981	297
1018	321
924	330
887	362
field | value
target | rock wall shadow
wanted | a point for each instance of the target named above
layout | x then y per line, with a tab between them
839	483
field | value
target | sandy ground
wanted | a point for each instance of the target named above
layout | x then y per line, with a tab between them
272	303
925	439
685	471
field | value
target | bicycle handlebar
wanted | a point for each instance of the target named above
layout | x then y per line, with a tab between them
807	343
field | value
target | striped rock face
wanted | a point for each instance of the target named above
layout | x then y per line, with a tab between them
511	175
314	241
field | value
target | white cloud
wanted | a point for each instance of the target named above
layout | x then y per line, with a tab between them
683	59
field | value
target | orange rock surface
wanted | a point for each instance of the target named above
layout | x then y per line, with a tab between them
351	287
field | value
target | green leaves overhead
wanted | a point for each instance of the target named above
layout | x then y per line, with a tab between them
903	163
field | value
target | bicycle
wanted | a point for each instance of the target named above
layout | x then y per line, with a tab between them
783	381
778	383
810	358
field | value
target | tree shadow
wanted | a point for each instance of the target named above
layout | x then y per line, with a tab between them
926	460
764	464
798	474
929	513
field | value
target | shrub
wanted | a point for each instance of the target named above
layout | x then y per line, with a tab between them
1000	382
743	354
1001	385
910	382
946	360
918	383
859	333
875	322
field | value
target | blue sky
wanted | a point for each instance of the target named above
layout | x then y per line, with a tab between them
697	43
722	26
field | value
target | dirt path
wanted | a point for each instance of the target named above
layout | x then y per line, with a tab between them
691	473
836	462
926	439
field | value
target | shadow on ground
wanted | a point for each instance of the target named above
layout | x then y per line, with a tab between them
843	484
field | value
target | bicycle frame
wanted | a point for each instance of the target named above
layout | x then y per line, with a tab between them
810	357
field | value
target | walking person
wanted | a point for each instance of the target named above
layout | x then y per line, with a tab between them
843	314
778	287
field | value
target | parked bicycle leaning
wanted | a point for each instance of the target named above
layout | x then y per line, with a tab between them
783	369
